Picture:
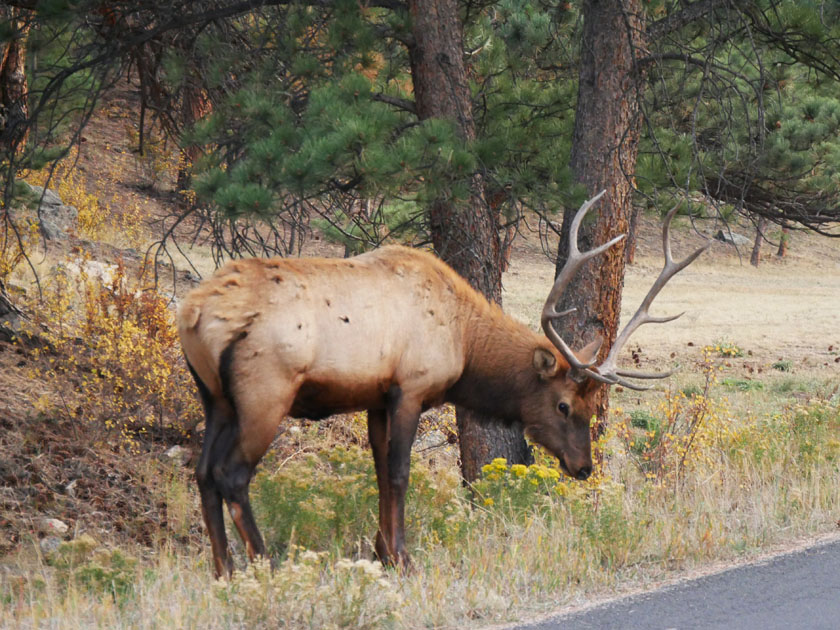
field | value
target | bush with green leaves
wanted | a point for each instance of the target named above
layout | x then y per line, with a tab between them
98	570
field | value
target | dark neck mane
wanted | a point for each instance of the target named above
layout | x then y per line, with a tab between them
499	367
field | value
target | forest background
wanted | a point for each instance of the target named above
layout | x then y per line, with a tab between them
270	128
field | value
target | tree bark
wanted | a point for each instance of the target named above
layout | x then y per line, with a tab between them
13	86
630	247
755	257
604	150
784	241
195	105
465	235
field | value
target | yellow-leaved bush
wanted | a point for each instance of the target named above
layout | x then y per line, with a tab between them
114	351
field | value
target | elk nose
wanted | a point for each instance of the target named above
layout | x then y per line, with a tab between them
584	473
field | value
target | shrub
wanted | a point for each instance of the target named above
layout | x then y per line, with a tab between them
728	349
783	365
744	385
687	435
308	591
328	501
122	219
517	488
100	571
116	349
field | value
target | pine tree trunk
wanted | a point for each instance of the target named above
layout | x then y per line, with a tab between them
195	105
630	247
755	257
465	236
604	150
13	85
784	241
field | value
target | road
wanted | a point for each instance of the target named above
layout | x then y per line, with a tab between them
797	590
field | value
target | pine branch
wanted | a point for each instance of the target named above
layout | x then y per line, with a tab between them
400	103
684	17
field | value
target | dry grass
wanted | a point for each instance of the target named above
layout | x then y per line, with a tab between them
616	532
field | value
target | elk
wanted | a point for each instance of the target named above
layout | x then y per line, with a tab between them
394	332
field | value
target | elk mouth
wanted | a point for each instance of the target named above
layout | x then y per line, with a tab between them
580	474
562	460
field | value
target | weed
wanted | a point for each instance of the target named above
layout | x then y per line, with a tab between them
743	385
691	390
100	571
728	349
308	591
783	365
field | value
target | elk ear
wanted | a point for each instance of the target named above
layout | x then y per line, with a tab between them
589	352
545	363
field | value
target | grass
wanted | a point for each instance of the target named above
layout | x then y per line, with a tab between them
719	466
688	476
539	542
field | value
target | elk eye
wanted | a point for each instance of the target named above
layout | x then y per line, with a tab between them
563	408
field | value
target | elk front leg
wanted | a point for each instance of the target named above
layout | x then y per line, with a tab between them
403	416
378	436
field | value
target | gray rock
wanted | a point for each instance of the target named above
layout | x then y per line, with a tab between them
48	198
57	220
52	526
732	238
178	454
50	545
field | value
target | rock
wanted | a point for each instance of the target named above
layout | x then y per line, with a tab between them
50	545
430	439
732	238
57	220
178	454
52	526
48	198
10	314
93	269
70	488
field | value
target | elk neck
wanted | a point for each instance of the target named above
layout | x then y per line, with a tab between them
498	365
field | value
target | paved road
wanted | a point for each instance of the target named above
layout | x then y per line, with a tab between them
799	590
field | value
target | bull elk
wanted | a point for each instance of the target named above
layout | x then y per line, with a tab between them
394	332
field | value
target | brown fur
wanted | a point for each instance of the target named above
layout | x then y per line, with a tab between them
393	331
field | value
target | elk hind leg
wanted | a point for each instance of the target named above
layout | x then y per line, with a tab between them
219	419
218	427
258	417
237	474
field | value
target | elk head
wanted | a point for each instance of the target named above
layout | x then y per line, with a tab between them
573	378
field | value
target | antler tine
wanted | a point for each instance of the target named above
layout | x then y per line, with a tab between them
573	263
642	316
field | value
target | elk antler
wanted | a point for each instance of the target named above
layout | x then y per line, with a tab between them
608	372
573	263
